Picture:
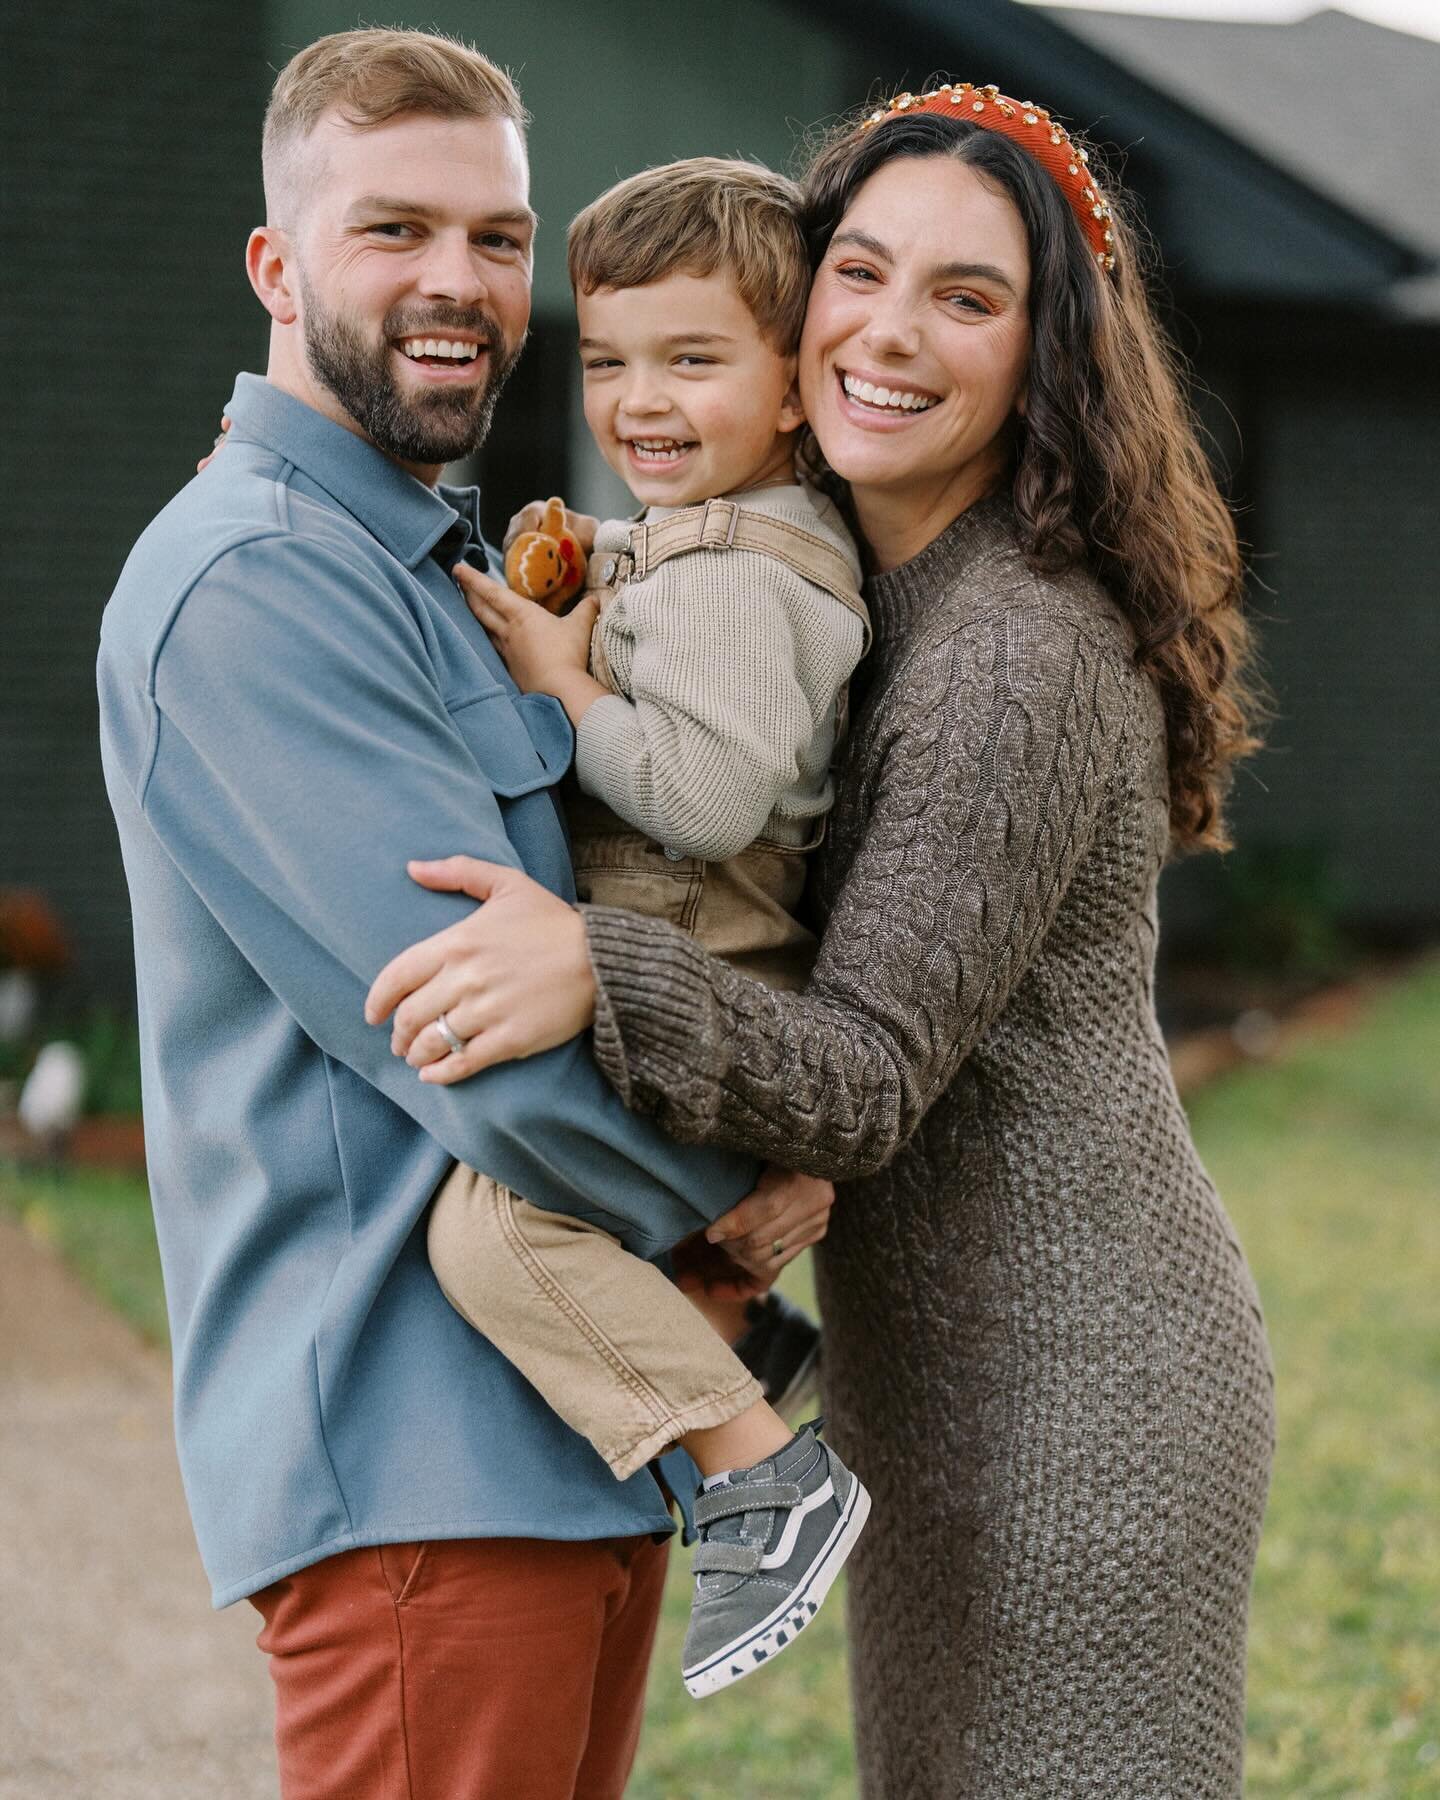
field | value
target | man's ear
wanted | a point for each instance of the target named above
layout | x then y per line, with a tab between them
268	264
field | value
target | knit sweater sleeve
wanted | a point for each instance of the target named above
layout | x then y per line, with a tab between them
990	759
734	664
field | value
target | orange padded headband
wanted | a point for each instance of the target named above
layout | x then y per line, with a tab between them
1034	130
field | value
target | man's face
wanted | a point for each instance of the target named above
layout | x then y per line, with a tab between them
414	267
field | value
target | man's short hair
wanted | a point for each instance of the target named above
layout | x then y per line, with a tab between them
704	215
370	77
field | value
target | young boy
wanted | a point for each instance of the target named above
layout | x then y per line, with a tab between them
706	702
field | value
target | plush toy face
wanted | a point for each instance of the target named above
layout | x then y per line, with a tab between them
547	565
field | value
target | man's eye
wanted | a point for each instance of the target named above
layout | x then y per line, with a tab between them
391	228
499	240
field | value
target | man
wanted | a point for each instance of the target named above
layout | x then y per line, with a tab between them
458	1597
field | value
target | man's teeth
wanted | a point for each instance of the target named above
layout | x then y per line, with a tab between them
658	449
440	347
896	398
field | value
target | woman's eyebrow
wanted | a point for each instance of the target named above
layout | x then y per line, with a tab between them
950	271
862	240
967	271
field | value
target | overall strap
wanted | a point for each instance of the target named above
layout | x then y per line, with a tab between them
722	525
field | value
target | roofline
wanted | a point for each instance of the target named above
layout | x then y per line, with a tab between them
1021	32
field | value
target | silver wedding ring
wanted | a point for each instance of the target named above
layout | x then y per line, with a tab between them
442	1025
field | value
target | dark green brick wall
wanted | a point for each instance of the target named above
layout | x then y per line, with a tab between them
130	182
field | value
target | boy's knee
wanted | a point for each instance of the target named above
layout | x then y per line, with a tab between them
466	1240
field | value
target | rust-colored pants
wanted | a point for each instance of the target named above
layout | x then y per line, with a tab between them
477	1669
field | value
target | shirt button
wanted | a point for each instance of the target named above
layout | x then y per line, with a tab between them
675	855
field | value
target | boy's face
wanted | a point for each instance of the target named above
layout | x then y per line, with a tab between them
685	396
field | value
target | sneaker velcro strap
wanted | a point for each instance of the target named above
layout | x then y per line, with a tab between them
750	1496
726	1559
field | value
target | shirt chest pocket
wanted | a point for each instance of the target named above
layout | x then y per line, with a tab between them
521	743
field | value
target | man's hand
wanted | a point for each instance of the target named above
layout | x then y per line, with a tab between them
787	1213
544	654
580	525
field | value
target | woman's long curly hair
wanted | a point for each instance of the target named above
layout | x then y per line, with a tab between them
1108	467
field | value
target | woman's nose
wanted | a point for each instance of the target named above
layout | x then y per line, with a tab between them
890	328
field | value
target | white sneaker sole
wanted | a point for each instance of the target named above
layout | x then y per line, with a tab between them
755	1647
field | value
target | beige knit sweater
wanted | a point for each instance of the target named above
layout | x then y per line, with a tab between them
730	666
1044	1351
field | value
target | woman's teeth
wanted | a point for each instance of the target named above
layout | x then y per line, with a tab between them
893	399
659	449
418	347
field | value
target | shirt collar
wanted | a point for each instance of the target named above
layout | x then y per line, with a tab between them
407	517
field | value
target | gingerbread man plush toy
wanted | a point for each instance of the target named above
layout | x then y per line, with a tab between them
548	565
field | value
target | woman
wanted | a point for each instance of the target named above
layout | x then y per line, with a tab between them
1044	1350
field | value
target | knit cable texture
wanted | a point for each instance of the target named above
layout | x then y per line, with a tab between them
1044	1351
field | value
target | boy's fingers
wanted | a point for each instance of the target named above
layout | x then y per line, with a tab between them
527	519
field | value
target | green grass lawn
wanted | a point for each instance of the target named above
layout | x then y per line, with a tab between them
1329	1162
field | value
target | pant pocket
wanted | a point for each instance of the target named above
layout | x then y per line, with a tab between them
401	1566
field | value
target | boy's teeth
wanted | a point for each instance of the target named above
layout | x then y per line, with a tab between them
896	398
440	347
659	449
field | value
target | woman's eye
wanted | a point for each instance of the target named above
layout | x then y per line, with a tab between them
855	272
969	303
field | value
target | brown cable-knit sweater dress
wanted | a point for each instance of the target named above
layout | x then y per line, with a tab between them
1044	1351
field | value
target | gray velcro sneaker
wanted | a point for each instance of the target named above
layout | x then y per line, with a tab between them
772	1540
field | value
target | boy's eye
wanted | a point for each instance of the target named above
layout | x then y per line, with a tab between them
599	362
695	360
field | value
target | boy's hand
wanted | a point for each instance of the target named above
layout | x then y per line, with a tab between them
580	525
544	655
219	444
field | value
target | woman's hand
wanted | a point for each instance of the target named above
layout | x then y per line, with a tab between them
545	655
219	444
581	526
787	1213
512	980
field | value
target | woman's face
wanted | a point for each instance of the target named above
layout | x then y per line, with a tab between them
917	337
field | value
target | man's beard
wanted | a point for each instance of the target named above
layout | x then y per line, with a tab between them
431	427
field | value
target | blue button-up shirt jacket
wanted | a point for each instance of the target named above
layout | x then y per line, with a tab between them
295	700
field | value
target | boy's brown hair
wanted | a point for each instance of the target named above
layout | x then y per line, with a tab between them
370	77
704	215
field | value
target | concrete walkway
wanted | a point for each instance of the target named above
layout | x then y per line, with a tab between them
117	1680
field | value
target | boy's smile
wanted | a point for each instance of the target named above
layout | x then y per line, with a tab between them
686	397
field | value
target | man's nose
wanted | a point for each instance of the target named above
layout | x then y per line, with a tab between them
450	270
